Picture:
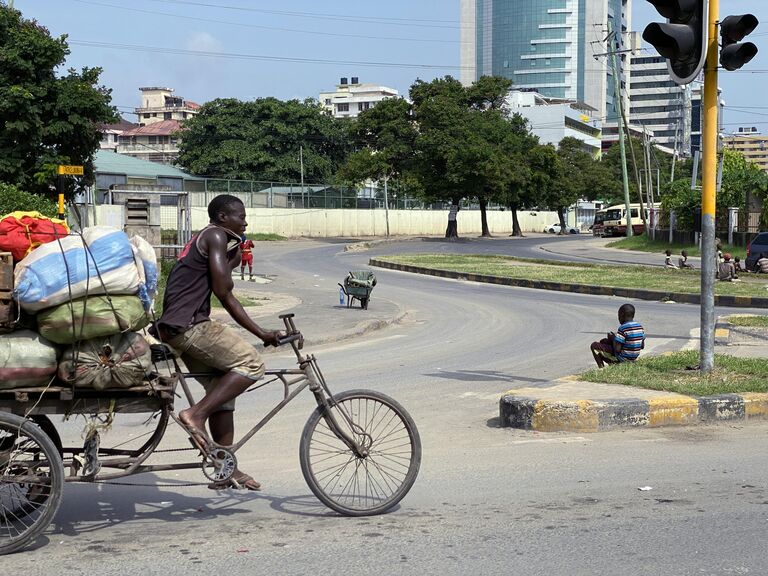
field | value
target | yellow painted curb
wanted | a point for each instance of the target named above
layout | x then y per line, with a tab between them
755	404
573	416
672	411
722	333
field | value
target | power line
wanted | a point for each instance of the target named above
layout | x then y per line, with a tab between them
262	27
315	15
235	56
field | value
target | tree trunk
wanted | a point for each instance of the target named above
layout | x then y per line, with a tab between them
516	231
561	217
484	218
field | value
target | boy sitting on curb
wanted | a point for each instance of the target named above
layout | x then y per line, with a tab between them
623	346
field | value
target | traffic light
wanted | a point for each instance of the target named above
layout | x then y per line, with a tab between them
734	54
682	39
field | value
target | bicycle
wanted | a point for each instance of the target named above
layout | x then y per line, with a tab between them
360	450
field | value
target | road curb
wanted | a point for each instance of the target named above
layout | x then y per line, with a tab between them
597	415
720	300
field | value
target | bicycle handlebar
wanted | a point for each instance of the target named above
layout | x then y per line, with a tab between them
290	338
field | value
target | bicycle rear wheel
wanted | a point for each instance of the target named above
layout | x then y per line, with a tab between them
31	482
361	485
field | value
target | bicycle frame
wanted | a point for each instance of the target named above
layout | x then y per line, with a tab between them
307	375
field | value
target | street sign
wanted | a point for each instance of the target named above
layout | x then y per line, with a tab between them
70	170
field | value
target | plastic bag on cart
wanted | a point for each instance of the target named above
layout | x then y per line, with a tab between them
21	232
91	317
146	261
119	361
26	359
100	261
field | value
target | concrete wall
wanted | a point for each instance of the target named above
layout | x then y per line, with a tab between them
323	223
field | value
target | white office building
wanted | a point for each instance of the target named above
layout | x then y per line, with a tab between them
351	97
659	104
552	119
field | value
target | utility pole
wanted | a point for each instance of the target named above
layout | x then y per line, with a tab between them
618	105
301	163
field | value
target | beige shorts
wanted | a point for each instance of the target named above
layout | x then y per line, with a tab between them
216	348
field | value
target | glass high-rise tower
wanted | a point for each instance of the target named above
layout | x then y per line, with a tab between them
551	46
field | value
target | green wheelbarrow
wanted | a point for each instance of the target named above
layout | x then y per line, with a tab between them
358	285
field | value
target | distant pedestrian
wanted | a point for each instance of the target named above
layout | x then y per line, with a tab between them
683	261
726	271
246	258
762	264
668	260
624	345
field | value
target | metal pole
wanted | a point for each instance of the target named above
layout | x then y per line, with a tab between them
301	162
709	183
386	203
619	107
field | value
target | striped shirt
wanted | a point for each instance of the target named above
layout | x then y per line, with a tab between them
631	337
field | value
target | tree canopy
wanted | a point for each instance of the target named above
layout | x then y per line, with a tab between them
47	119
262	140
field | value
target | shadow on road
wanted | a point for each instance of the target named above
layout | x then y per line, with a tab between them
483	376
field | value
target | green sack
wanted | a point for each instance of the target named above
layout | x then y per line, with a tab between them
124	314
26	359
118	361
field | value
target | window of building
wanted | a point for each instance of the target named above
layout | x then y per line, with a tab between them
152	139
342	107
328	101
147	116
154	114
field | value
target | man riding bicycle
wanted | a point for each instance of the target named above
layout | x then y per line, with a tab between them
205	267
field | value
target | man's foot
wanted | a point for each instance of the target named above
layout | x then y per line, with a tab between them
242	277
196	431
240	480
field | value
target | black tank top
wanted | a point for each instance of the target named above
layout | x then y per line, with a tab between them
187	299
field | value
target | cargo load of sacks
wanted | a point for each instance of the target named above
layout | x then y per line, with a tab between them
90	292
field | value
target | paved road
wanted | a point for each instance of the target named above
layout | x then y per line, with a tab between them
487	500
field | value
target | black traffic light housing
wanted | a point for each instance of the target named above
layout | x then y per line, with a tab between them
682	39
734	54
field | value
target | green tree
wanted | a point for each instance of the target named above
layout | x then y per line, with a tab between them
13	199
573	180
384	138
46	119
262	140
740	179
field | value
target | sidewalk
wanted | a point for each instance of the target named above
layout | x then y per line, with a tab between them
571	405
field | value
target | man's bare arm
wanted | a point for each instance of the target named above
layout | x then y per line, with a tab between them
215	243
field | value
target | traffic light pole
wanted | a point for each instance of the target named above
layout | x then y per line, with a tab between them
708	189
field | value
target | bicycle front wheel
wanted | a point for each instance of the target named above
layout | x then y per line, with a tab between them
361	485
31	482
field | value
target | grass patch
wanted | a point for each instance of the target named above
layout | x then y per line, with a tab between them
749	321
641	277
644	244
668	373
260	237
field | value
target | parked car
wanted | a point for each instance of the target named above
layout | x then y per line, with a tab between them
758	245
555	229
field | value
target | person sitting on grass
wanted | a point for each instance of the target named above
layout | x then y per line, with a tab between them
762	264
683	261
737	265
624	345
726	271
668	260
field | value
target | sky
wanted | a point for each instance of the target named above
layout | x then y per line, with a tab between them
298	48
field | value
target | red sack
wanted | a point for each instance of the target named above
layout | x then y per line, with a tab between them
22	232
